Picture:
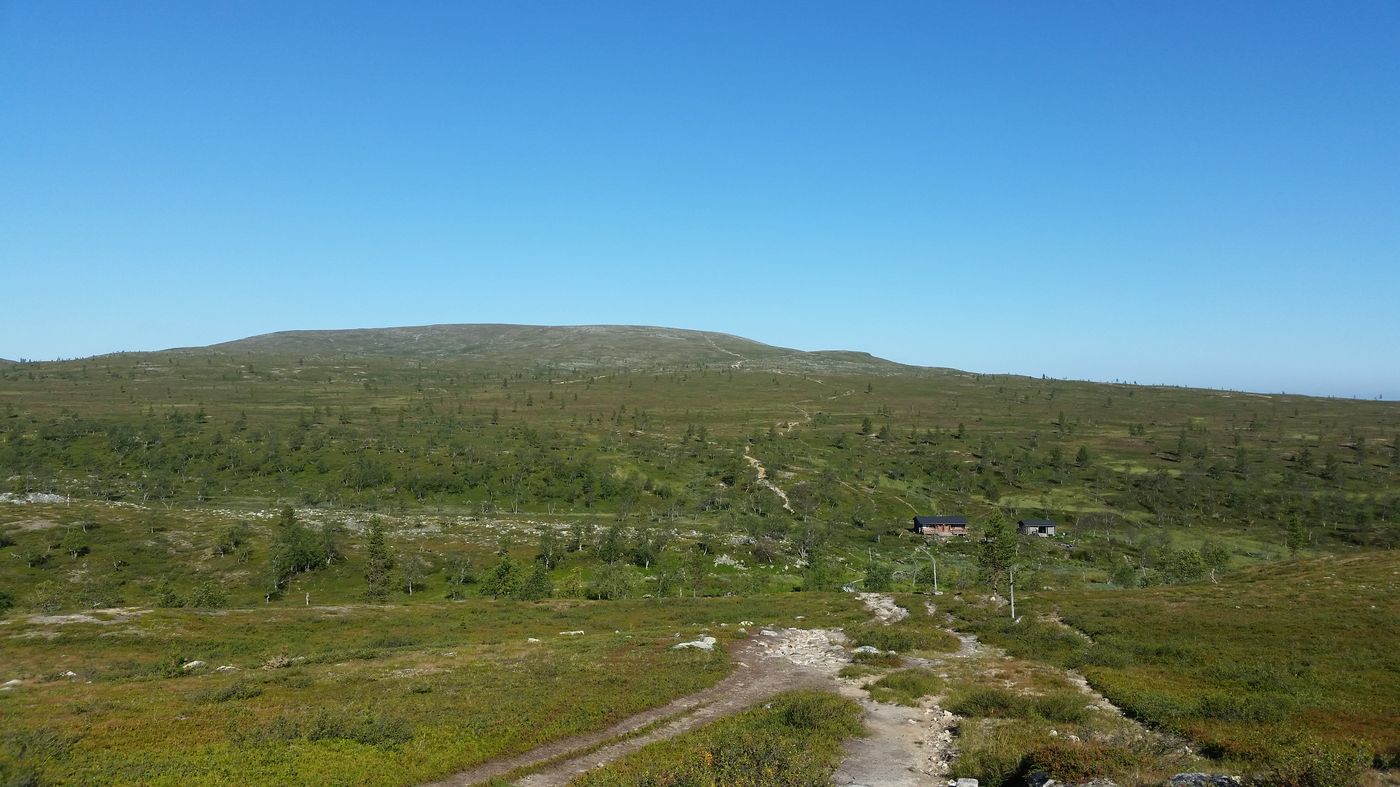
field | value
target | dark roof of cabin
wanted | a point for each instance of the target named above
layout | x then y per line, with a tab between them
1036	523
920	521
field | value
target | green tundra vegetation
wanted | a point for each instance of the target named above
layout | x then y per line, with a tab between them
1230	556
337	694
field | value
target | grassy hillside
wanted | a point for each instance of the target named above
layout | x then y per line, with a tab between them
560	347
620	463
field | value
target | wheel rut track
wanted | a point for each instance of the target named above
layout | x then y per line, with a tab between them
905	747
759	674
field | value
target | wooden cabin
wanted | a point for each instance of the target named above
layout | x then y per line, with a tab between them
1036	527
940	525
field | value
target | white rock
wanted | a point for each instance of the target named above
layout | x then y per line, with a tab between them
768	633
570	633
867	649
70	674
189	665
226	668
704	643
531	639
746	622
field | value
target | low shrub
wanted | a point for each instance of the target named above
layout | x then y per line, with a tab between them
1168	711
238	690
362	726
1315	763
858	671
1076	761
1256	708
23	754
1066	707
988	701
992	756
819	710
910	634
1102	655
369	728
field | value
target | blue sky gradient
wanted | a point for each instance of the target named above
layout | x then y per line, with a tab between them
1193	193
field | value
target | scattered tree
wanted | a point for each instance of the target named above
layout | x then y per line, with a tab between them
413	572
878	576
504	581
378	563
996	554
537	585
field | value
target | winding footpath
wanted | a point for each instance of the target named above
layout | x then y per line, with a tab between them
766	482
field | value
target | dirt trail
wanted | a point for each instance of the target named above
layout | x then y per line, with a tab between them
742	360
904	747
972	647
883	607
764	481
765	665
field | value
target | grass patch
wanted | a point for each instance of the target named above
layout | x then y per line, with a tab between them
857	671
905	687
995	702
237	690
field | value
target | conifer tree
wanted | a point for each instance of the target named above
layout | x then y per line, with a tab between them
380	563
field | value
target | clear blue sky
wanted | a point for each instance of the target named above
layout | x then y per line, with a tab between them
1198	193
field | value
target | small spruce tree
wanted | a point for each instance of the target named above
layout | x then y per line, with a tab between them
379	564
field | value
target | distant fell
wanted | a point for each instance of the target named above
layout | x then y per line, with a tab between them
565	346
